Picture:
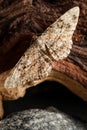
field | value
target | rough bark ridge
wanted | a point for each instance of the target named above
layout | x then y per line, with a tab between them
20	20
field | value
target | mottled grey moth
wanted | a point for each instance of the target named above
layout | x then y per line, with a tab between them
54	44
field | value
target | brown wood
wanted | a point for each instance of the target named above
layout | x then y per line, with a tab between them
20	20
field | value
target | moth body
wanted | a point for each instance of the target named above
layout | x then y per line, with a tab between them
57	40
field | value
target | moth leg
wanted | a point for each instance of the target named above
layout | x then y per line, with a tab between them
1	108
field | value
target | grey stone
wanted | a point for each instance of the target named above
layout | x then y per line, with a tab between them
38	119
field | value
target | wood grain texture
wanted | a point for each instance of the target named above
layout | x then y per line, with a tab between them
20	21
18	28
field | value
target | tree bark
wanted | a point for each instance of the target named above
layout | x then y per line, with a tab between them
20	20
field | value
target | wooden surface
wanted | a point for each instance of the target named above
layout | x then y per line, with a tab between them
21	20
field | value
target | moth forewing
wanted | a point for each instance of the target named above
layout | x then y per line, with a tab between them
58	36
54	43
32	66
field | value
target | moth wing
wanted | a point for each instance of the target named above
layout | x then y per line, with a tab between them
32	66
57	39
58	36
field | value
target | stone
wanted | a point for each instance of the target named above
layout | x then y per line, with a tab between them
41	119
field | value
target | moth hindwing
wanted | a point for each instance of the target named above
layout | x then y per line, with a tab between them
54	43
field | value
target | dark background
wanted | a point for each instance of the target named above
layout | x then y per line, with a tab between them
48	94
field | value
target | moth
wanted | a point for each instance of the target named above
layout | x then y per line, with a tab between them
35	65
